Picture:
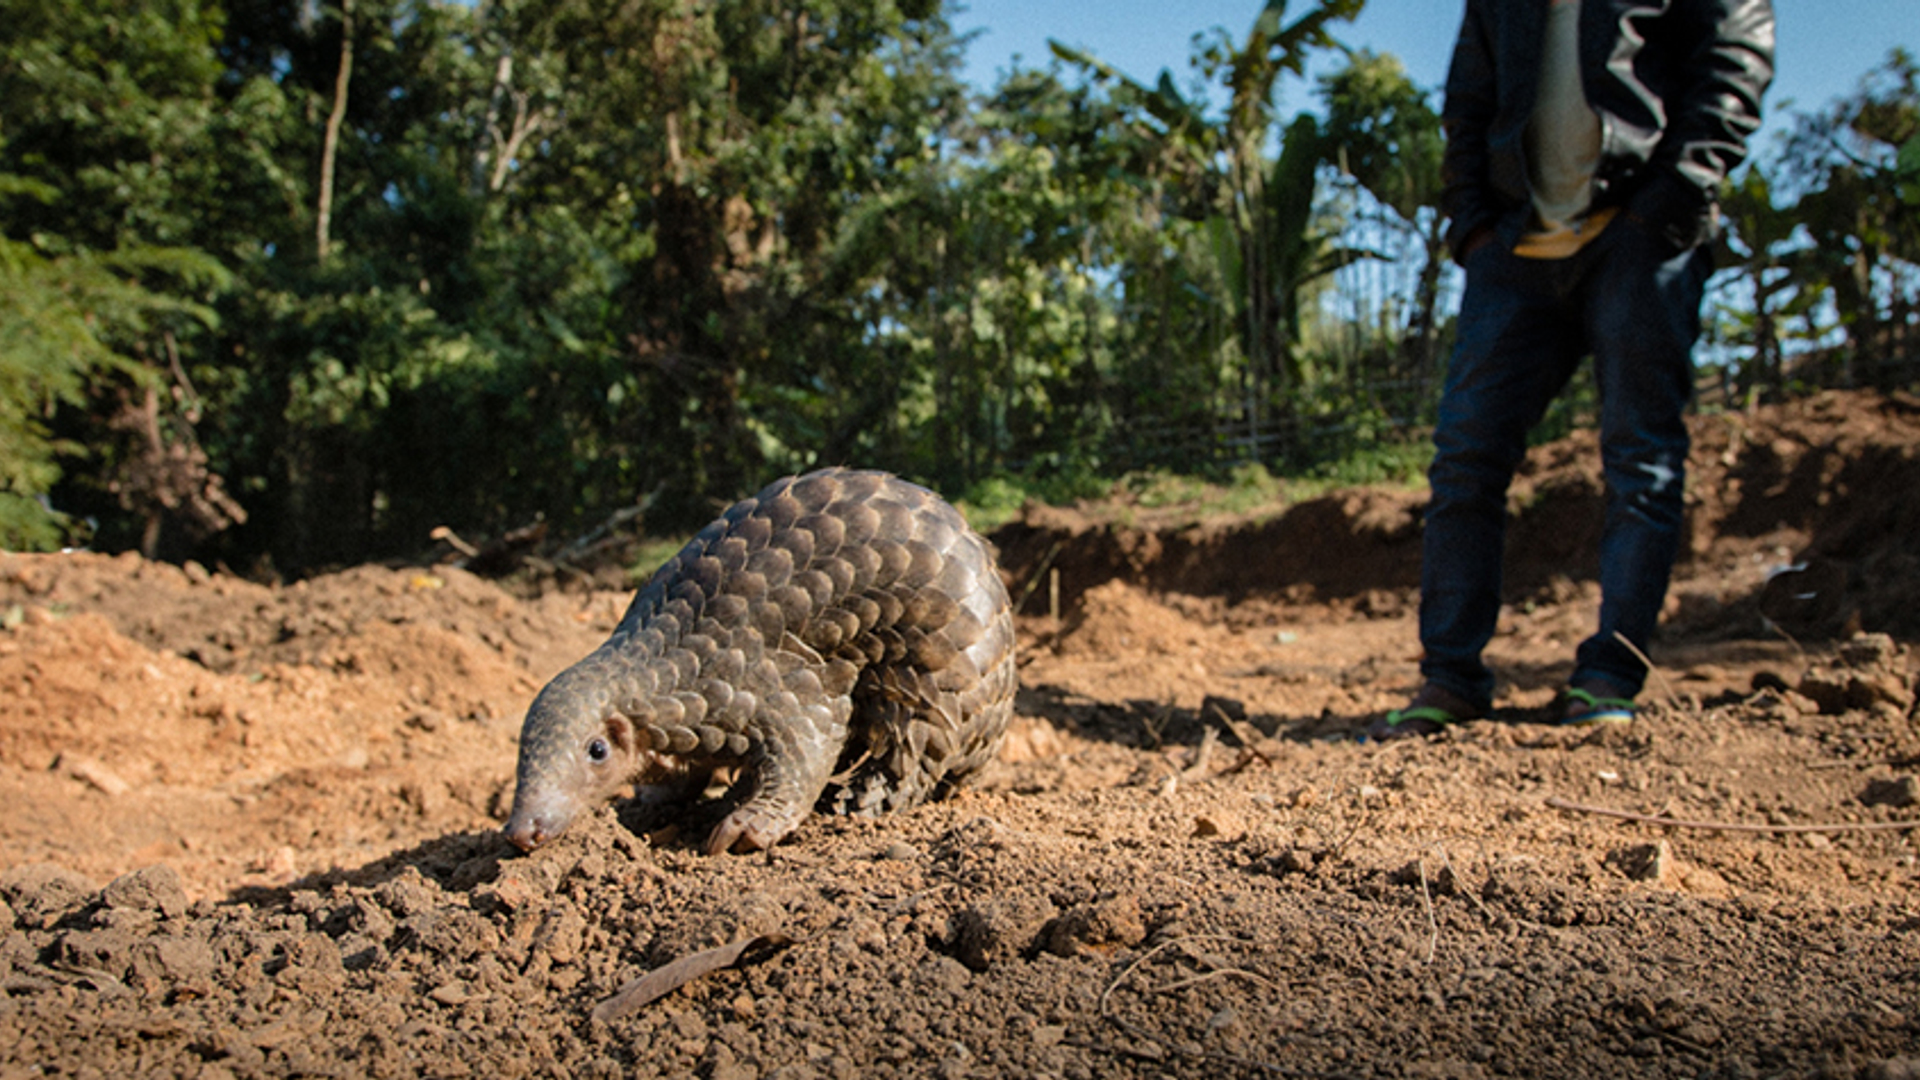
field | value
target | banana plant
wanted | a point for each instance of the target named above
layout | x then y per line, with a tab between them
1257	209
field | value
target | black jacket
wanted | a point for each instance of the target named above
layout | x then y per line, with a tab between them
1677	84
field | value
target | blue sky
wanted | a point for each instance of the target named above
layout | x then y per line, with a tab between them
1824	45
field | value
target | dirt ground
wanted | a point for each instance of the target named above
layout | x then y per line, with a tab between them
253	831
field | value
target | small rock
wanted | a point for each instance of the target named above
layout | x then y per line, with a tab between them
1899	791
515	888
1644	862
108	952
311	964
1218	824
41	893
943	973
561	935
450	994
407	893
1001	929
1114	921
182	964
1867	674
1293	861
154	888
93	774
1866	651
900	851
1826	689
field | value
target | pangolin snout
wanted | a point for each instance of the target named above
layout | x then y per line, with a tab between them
537	820
530	833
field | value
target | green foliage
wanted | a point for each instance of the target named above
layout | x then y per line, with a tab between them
993	501
1399	462
1242	489
1827	248
1259	214
64	325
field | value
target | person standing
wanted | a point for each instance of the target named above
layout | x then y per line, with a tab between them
1586	142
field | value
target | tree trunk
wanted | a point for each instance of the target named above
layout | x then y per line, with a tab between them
330	148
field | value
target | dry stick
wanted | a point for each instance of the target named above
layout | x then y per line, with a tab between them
659	982
1447	861
1728	826
1150	954
1249	753
1635	650
1433	925
1198	770
1791	640
1216	973
1199	1052
1849	763
1040	572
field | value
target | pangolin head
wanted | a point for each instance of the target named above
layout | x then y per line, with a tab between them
576	752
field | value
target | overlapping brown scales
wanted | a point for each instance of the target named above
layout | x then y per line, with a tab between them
840	620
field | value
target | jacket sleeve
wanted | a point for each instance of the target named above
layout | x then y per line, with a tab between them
1718	107
1472	99
1712	111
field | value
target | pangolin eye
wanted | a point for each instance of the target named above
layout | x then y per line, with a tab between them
597	750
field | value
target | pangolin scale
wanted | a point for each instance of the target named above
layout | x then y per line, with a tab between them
842	640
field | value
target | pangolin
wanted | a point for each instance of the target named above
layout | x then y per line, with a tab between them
841	640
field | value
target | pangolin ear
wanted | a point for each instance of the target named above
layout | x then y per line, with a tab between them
620	733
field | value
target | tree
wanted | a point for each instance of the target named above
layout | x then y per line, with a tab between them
1848	171
1774	276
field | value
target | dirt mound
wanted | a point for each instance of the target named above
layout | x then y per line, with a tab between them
1826	480
254	830
1330	548
151	707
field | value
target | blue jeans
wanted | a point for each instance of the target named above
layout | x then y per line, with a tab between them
1524	326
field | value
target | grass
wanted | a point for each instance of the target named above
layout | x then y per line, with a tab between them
1393	464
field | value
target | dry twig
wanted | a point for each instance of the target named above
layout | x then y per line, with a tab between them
1644	659
1433	924
1201	756
1730	826
1249	752
1039	573
1218	972
664	980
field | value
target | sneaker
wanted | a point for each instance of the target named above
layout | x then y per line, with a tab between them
1432	710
